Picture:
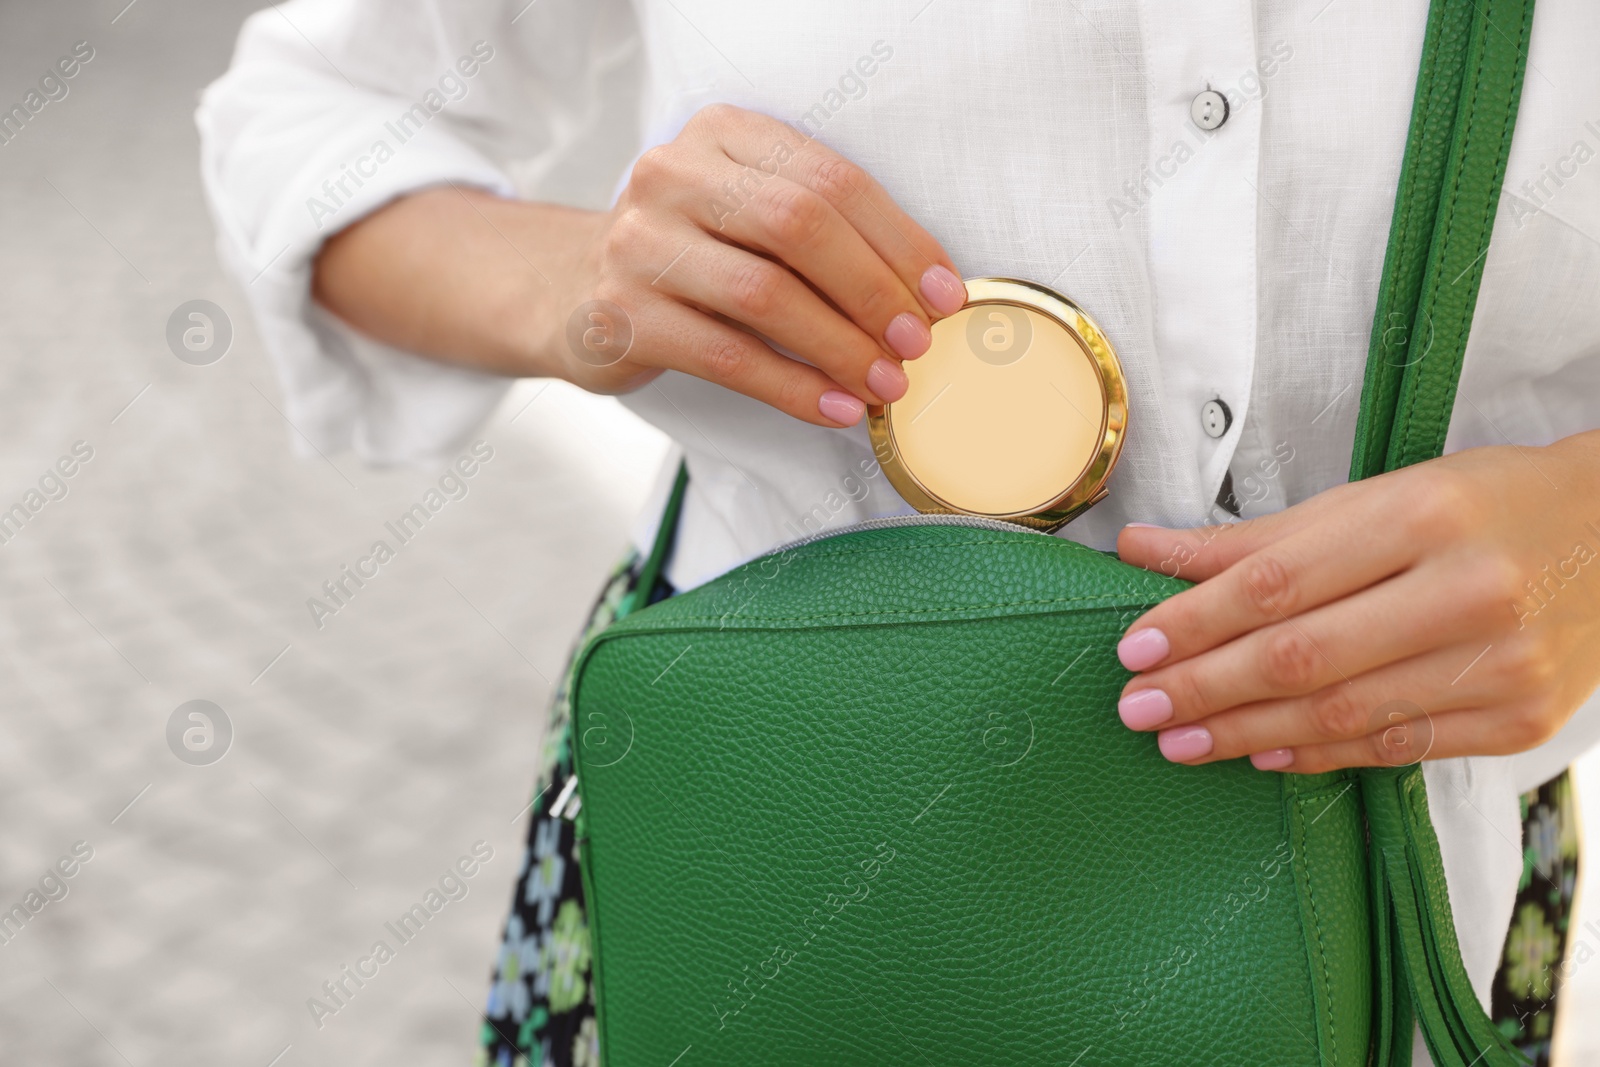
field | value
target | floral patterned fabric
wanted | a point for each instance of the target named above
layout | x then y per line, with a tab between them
541	1005
1525	990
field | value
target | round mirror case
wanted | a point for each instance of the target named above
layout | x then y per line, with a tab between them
1016	412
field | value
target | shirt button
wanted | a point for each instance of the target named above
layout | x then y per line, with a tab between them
1209	110
1216	418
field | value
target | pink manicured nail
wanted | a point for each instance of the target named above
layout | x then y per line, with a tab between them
1182	743
1144	708
943	290
886	379
841	407
1276	760
1143	649
1144	526
908	336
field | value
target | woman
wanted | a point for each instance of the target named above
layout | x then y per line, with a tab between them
1214	184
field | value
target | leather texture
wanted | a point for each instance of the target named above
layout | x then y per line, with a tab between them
1468	88
1430	981
868	798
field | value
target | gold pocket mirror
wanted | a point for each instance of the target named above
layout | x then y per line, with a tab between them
1016	412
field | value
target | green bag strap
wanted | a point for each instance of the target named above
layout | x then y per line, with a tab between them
1468	88
666	534
1429	982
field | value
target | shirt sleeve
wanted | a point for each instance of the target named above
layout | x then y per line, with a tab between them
333	108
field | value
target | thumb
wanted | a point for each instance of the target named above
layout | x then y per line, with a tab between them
1200	552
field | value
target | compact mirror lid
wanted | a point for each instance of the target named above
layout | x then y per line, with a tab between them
1017	411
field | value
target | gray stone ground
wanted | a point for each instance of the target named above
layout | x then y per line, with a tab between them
368	755
372	753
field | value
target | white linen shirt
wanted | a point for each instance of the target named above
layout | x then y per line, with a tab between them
1043	141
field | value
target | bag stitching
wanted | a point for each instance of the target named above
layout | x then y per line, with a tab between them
1428	295
1053	544
1486	217
906	611
1485	221
1322	949
1431	297
1413	178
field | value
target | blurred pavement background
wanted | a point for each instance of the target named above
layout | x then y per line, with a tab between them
366	756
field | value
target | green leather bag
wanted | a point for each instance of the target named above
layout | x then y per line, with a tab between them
867	799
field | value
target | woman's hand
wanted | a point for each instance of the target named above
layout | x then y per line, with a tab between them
1448	609
742	227
739	230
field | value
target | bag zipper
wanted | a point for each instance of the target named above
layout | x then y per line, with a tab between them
890	522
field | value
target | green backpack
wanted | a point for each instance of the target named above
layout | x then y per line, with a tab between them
867	799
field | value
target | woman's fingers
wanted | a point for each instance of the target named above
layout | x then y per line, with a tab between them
1428	606
802	230
742	221
919	261
763	295
682	339
1205	551
1443	680
1419	614
1290	569
1499	731
767	147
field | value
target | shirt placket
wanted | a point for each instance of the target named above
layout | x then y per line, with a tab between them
1199	191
